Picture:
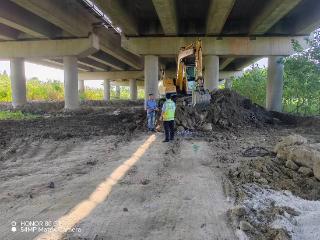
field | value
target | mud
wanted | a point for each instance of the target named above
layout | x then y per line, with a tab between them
258	174
45	107
65	155
227	109
117	119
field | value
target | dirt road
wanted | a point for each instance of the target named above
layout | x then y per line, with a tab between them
96	174
170	193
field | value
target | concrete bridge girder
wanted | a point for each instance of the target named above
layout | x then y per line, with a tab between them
227	46
68	49
120	75
77	22
51	49
166	11
219	11
111	75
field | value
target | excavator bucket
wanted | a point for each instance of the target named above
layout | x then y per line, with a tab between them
200	98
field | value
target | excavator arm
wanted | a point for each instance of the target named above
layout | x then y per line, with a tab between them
192	49
183	53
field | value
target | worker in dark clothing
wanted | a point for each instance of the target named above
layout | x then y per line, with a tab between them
167	115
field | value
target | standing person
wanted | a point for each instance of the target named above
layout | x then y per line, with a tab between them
151	107
167	115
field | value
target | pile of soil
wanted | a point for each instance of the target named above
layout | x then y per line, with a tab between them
36	107
115	103
227	109
266	174
43	107
273	172
83	124
296	120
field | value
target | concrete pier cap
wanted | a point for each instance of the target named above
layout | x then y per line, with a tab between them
52	49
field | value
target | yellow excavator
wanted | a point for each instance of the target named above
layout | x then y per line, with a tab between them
189	80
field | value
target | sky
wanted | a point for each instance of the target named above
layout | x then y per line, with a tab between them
45	73
48	73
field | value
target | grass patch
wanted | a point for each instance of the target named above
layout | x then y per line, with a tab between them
16	115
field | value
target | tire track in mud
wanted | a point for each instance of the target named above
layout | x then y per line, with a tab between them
169	194
29	197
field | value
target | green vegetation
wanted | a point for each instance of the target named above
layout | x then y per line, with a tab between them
97	94
301	94
44	91
252	84
52	90
16	115
5	88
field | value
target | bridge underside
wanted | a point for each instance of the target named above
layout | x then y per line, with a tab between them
133	34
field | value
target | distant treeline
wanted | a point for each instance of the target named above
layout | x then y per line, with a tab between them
52	90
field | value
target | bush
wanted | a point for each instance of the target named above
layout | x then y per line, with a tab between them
53	90
16	115
252	84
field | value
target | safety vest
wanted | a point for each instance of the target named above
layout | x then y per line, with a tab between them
170	108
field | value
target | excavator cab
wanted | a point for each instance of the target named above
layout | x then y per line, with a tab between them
189	79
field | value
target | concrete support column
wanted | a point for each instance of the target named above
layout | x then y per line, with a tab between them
18	82
228	83
133	89
106	90
71	94
151	75
274	84
81	86
118	92
211	73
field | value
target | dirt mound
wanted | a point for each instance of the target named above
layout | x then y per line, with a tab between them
291	119
65	125
227	109
116	103
37	107
273	172
276	171
299	155
43	107
270	190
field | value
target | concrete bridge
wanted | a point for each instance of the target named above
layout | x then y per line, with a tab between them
130	40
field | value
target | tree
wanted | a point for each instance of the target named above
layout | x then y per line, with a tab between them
301	80
252	84
5	87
